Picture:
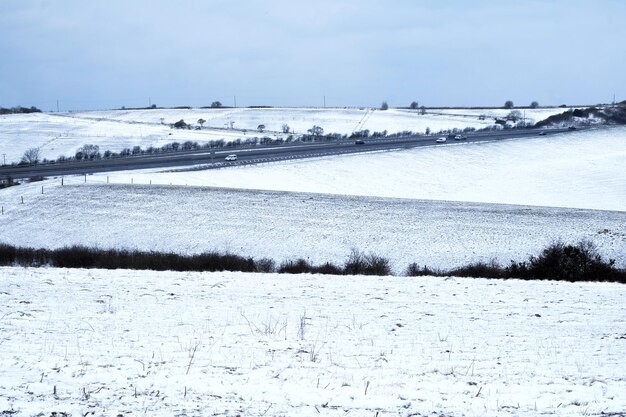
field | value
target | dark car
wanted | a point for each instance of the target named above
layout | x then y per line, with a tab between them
359	142
571	128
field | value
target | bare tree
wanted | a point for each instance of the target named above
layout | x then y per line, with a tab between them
260	128
201	122
508	104
384	106
31	156
514	115
414	105
88	152
285	128
534	105
316	131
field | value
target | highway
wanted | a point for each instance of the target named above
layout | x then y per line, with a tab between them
214	158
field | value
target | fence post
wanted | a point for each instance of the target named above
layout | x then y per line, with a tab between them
61	181
85	177
22	199
107	179
42	189
3	210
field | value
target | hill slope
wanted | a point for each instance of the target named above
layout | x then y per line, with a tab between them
164	344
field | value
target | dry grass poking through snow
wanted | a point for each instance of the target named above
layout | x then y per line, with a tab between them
164	343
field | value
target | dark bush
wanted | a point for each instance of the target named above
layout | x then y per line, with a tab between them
579	262
302	266
479	270
360	264
83	257
265	265
562	262
414	270
180	124
19	109
328	269
10	255
299	266
7	254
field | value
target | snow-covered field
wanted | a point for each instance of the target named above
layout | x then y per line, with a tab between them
92	342
284	226
585	169
63	134
163	343
57	134
580	170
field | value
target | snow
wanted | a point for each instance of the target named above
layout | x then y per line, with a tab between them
164	343
531	115
57	134
363	202
585	169
63	134
281	226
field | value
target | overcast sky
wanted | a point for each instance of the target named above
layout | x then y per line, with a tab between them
113	53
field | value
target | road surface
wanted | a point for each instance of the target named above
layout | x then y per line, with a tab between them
215	158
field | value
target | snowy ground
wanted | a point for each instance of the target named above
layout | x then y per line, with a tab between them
57	134
178	344
284	226
584	169
162	343
579	170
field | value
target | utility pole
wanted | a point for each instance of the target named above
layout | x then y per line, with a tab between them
4	156
324	101
57	105
149	101
235	100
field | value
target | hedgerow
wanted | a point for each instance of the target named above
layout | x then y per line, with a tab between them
559	261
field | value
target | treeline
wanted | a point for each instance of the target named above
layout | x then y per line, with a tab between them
19	109
587	116
560	262
89	152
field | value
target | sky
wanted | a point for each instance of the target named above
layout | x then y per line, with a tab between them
109	54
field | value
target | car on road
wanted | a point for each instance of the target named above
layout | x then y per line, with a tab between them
441	140
359	142
231	157
542	133
571	128
460	137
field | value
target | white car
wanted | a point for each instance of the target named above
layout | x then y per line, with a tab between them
441	140
232	157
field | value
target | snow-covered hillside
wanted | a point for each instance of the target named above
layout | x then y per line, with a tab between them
163	343
85	342
285	226
576	170
57	134
584	170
